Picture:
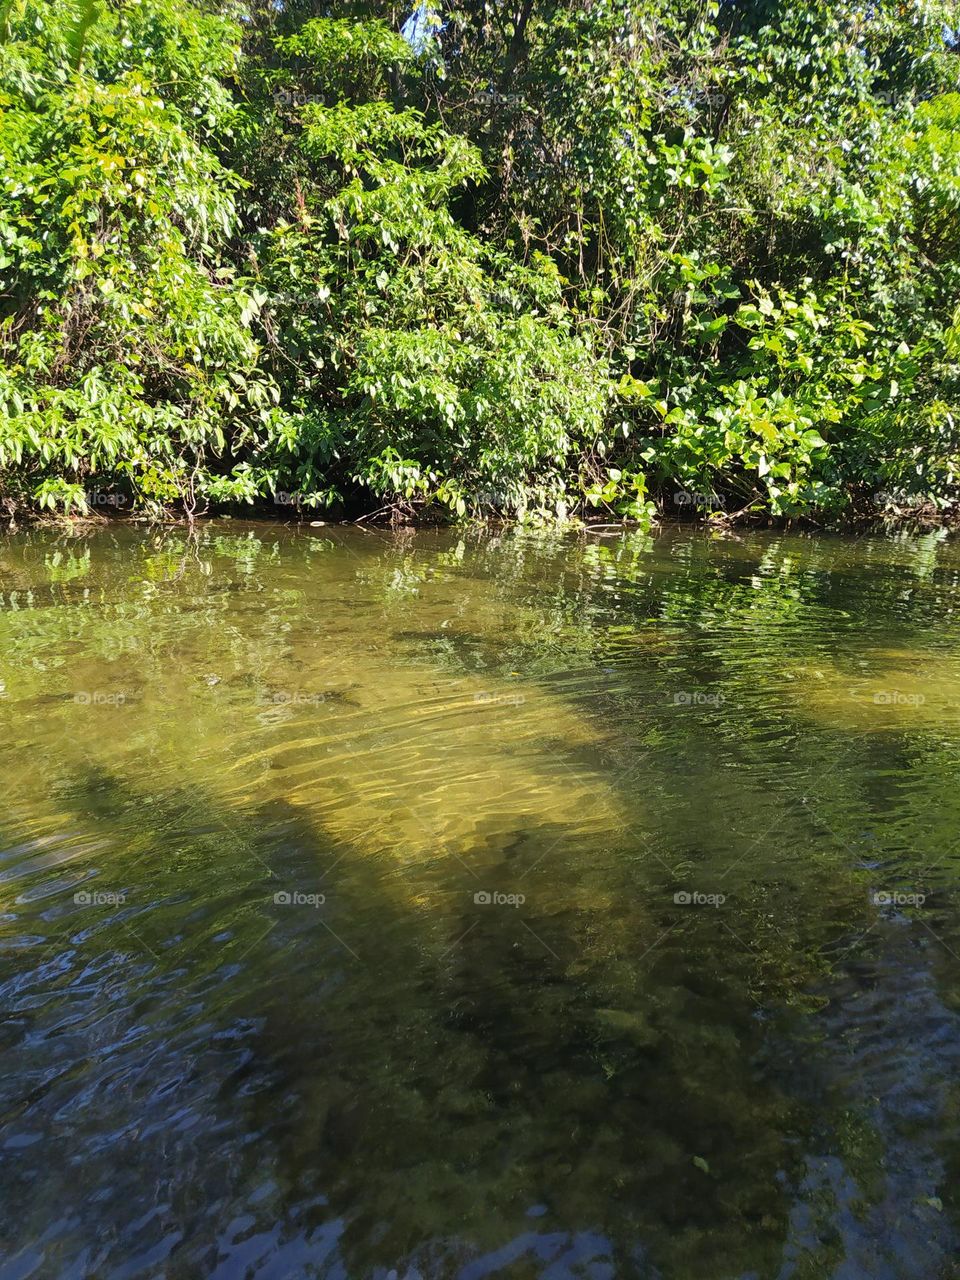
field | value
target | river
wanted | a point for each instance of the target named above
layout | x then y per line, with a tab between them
497	903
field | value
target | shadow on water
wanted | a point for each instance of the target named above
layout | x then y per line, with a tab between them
236	1082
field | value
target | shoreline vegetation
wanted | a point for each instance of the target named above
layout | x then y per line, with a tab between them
902	522
613	262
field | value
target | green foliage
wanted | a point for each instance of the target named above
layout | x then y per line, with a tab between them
565	260
447	371
128	352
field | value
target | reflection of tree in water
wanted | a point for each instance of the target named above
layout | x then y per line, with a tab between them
431	1093
527	1084
516	1071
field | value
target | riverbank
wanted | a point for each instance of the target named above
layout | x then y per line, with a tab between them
717	521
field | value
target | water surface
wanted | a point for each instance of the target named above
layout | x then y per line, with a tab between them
438	905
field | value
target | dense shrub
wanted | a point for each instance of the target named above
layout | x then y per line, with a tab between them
561	258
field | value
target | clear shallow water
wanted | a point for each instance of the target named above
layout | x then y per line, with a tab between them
254	1018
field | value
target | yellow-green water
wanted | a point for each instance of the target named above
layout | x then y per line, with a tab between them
440	905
